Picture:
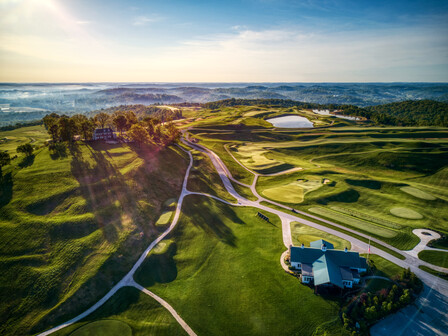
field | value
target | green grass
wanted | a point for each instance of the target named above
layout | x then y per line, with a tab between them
305	234
10	140
438	258
354	222
104	327
244	191
128	312
72	223
223	275
418	193
405	213
165	218
204	178
433	272
384	267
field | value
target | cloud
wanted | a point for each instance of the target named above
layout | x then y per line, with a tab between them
144	20
81	22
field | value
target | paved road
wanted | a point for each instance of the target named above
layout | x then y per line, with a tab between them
425	237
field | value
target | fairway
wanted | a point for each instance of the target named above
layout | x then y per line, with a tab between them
293	192
354	222
104	328
405	213
418	193
305	234
290	193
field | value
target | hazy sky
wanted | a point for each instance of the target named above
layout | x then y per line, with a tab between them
209	40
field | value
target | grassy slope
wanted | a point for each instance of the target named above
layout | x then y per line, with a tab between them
35	135
67	223
142	313
224	278
438	258
204	178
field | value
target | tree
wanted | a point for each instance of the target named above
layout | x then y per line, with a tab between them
101	119
67	128
131	118
172	132
5	159
120	122
138	134
27	149
87	127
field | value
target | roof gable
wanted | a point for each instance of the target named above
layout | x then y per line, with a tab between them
318	244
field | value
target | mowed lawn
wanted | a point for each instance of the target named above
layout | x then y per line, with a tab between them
129	312
223	276
439	258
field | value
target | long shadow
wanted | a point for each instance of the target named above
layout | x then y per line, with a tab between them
212	224
27	161
58	151
6	184
158	268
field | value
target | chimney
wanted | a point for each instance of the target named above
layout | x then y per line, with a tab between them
346	250
290	249
323	247
303	246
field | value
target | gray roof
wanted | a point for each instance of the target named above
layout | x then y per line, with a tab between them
331	266
318	244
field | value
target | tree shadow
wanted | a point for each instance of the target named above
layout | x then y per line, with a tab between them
347	196
6	184
210	222
58	151
27	161
101	184
158	268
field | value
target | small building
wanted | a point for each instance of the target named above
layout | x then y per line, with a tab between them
321	264
103	134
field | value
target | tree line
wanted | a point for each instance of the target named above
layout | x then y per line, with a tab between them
146	130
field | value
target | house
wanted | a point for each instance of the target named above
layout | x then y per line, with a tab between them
322	264
103	134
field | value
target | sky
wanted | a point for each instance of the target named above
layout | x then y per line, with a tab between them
223	41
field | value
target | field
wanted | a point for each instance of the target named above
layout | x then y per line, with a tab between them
217	248
128	312
72	222
305	234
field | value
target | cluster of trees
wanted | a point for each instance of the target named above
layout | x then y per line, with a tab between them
146	130
64	128
367	308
